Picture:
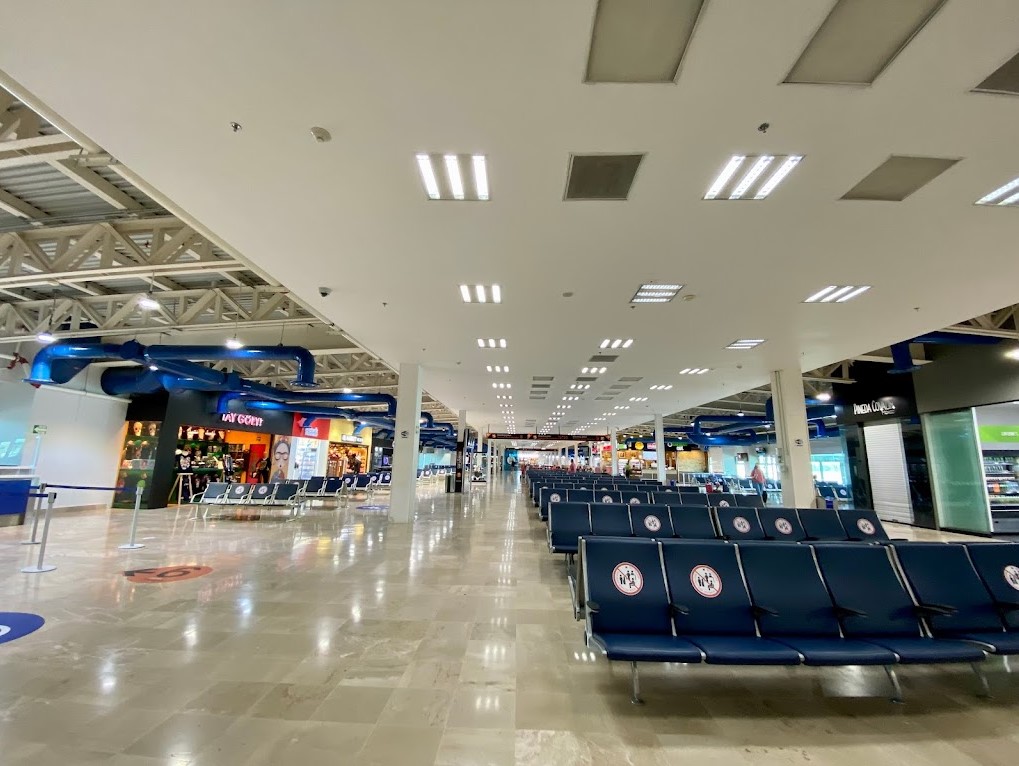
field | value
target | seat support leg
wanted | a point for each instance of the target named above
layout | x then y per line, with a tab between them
635	699
893	678
1008	665
985	689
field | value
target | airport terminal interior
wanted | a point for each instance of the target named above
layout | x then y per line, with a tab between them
475	383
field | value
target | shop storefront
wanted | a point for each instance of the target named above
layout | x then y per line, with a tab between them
970	403
885	456
382	454
349	452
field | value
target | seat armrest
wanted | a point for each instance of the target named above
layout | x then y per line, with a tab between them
592	607
762	610
845	611
679	609
942	610
1006	606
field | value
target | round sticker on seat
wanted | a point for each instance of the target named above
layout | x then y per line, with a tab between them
606	499
1011	573
783	526
741	525
262	490
706	581
627	579
554	497
865	526
634	501
652	523
723	504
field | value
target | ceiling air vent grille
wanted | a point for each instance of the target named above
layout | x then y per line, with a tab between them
898	177
601	176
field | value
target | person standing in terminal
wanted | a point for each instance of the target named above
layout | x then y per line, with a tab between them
757	477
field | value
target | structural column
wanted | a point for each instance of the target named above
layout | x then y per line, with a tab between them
614	452
462	464
793	440
403	497
660	446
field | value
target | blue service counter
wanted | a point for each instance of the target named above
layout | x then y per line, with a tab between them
14	500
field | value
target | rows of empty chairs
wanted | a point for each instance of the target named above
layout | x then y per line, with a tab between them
818	604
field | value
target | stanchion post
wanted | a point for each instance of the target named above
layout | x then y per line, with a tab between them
51	499
35	516
131	545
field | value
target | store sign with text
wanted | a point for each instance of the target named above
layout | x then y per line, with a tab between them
241	419
548	437
878	408
310	428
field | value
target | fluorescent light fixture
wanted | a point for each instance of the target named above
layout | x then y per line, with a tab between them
850	295
428	176
743	344
628	342
616	343
605	343
837	294
480	177
496	294
724	177
234	343
755	170
1013	354
672	288
583	370
481	342
479	290
491	342
601	370
824	396
465	293
488	368
148	303
1009	200
776	178
456	184
1001	191
153	368
700	372
820	294
502	343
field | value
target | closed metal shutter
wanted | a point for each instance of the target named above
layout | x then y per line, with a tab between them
888	479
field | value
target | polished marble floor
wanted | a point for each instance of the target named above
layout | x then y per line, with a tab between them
338	638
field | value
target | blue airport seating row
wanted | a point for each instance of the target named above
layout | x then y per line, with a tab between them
570	521
822	604
630	497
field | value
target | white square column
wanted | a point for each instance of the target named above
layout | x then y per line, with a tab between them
660	447
793	440
614	452
403	497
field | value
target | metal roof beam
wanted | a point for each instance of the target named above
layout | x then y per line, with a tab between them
96	184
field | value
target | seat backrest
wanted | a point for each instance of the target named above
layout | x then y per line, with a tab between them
821	524
610	519
348	480
781	524
580	496
665	498
551	495
722	500
567	522
624	578
692	522
998	566
862	578
215	491
704	579
314	484
262	492
782	578
362	480
862	525
608	496
692	498
739	524
239	491
749	501
287	490
841	492
942	573
651	521
828	493
332	485
633	497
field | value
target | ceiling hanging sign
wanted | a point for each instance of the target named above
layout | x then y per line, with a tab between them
876	408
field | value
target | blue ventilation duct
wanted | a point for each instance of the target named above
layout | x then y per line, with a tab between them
59	362
303	357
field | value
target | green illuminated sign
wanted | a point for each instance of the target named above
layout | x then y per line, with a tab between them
999	433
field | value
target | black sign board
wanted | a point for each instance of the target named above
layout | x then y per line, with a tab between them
549	437
875	409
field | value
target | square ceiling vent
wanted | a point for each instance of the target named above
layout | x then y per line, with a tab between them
859	39
1004	79
640	42
601	176
898	177
604	358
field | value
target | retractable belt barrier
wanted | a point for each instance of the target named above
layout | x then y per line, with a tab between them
51	499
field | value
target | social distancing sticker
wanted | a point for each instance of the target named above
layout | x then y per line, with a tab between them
606	498
706	581
783	526
634	501
14	625
723	503
627	579
652	523
865	526
554	497
167	574
741	525
1011	573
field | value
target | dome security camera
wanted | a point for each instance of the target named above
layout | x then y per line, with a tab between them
325	292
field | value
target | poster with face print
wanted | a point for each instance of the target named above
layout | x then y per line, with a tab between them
280	459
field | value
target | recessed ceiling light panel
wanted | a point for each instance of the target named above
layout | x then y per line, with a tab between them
1003	195
837	294
458	177
751	177
744	344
